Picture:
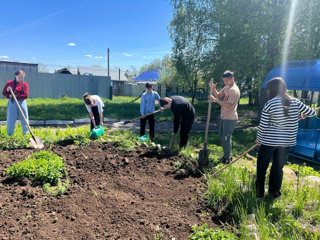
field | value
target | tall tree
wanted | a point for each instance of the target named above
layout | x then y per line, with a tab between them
190	32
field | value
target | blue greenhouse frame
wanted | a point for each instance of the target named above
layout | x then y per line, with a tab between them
305	76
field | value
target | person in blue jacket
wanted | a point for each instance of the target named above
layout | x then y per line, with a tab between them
147	106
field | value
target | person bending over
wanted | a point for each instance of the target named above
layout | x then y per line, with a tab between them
183	113
95	107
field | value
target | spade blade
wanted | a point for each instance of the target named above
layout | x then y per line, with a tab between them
203	157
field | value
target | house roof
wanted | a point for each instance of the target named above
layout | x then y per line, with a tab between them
150	75
66	71
100	71
298	75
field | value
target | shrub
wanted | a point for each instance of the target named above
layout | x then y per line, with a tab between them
44	166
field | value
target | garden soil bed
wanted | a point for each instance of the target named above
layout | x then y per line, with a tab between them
112	195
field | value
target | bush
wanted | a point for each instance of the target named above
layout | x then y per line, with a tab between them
44	166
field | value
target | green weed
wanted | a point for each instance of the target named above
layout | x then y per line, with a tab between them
203	233
56	190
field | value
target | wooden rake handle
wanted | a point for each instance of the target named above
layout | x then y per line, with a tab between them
209	115
250	149
145	115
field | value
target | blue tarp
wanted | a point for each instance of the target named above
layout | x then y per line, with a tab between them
298	75
305	76
151	75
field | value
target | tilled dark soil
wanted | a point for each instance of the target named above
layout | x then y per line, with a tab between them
112	195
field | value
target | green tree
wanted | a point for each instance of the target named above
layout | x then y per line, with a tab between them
190	32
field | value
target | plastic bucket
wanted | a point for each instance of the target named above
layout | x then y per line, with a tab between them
96	132
143	138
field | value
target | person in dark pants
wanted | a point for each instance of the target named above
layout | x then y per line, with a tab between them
183	113
147	106
277	132
94	106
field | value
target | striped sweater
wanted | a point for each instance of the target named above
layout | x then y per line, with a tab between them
277	130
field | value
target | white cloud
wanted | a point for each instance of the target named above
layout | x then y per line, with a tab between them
128	55
88	55
144	57
71	44
33	58
98	57
4	56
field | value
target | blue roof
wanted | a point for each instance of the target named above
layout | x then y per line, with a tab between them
150	75
298	75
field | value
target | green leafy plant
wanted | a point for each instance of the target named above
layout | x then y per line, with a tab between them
44	166
56	190
158	236
304	170
203	233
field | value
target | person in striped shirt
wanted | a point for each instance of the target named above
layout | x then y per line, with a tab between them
277	132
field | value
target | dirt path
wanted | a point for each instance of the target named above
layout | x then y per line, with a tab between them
199	125
113	195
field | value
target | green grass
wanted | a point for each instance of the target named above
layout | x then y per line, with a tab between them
120	108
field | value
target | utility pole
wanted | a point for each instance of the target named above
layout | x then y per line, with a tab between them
108	64
109	76
119	84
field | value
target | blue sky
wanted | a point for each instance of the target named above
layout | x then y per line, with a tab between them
79	32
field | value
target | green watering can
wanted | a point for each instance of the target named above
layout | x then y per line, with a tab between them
143	138
96	132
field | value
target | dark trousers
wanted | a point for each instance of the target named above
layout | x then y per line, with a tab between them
143	123
96	116
279	155
185	128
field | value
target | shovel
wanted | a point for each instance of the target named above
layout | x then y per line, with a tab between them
35	142
203	154
118	124
167	151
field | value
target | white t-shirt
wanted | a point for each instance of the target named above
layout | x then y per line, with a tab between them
97	102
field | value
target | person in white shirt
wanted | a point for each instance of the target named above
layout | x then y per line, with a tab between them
95	106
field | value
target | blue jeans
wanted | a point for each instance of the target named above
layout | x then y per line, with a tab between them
225	132
12	114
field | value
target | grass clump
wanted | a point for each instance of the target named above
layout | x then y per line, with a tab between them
204	233
43	166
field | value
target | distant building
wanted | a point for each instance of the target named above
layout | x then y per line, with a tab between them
118	78
66	71
115	74
14	66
